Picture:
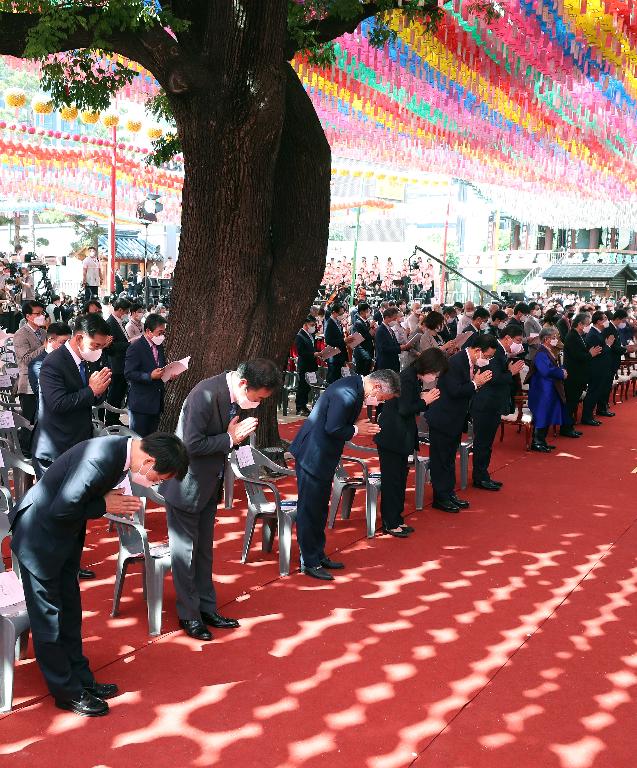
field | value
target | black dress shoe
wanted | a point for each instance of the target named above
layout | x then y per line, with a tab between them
569	433
84	573
333	565
591	422
218	621
102	690
318	572
459	502
497	482
445	506
540	447
195	628
408	528
398	533
486	485
303	412
86	705
605	413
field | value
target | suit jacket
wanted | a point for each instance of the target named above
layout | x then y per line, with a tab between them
203	427
27	347
116	353
448	413
563	326
364	352
474	335
334	337
399	432
306	361
387	349
34	372
600	366
532	325
576	359
617	350
145	395
50	519
496	395
65	408
319	443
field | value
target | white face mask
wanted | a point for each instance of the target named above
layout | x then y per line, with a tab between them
244	402
158	340
482	362
516	348
468	314
125	318
622	325
371	400
90	355
553	342
141	478
429	378
502	326
49	347
587	328
311	329
607	323
39	320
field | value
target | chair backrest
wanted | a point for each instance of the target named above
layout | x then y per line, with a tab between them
6	505
246	463
132	536
10	422
290	381
145	494
118	429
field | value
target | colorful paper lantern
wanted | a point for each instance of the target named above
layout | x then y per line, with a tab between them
155	132
15	98
42	106
134	126
69	114
89	117
110	120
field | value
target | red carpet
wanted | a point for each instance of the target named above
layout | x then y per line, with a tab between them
502	636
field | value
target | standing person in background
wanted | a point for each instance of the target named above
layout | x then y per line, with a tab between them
318	447
564	323
306	362
210	428
547	398
135	326
91	274
388	348
364	353
116	352
25	281
398	438
335	337
465	319
599	383
143	368
56	335
54	310
532	328
28	342
577	361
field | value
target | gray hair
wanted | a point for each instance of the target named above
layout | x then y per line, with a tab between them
389	381
546	333
582	317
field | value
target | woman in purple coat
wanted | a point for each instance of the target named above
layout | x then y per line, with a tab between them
546	389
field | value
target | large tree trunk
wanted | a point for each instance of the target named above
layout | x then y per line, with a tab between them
252	147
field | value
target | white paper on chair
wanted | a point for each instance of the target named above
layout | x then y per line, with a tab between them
328	352
13	372
244	456
4	337
5	382
6	420
355	340
311	378
11	591
172	370
345	371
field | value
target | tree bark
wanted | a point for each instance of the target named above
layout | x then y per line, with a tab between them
243	285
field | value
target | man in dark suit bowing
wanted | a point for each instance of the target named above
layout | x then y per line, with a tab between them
210	427
49	526
116	354
599	381
447	417
492	401
70	385
306	362
143	368
318	447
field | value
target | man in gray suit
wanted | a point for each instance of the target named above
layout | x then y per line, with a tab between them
210	426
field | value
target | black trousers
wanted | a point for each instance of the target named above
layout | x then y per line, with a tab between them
442	462
364	364
90	292
485	428
55	613
573	391
302	391
142	423
596	395
29	405
394	468
311	516
116	393
334	365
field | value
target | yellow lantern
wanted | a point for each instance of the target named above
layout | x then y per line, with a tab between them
89	117
69	114
134	126
42	106
110	120
155	132
15	98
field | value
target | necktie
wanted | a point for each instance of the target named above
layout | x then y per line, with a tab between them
155	353
84	372
233	410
